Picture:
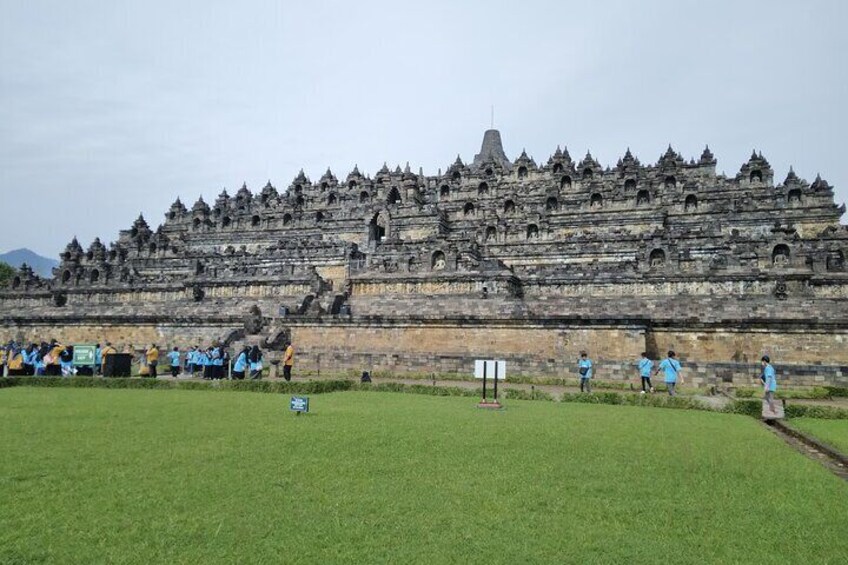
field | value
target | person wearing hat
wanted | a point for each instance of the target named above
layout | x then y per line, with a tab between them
769	378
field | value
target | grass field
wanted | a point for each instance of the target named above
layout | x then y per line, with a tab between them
145	476
832	432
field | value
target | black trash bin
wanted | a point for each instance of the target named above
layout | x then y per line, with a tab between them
117	365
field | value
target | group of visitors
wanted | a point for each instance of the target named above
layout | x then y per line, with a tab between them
210	363
213	362
671	368
43	358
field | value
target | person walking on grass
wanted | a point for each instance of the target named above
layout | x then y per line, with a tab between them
671	367
645	365
769	379
585	369
288	361
174	356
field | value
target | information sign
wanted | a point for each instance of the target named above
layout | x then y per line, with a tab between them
299	404
490	368
84	355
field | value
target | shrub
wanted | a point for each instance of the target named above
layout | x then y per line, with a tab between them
652	400
813	393
812	411
301	387
522	394
417	389
747	407
836	391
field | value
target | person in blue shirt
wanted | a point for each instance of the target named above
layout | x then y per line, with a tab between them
38	361
217	363
66	361
240	366
188	364
98	359
769	379
206	360
645	365
174	356
254	359
584	368
671	367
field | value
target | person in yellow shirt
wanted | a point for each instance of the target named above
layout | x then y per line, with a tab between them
15	362
152	359
288	361
107	350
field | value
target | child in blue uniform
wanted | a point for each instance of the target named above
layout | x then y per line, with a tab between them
584	368
769	379
671	367
645	365
174	356
240	365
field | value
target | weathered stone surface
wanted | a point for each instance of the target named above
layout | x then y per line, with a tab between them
510	259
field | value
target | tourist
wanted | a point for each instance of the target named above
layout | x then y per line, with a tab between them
217	362
225	362
645	365
240	365
584	368
255	359
28	356
196	361
769	378
288	361
189	360
174	356
98	358
152	358
53	368
38	365
14	360
107	351
206	359
671	366
66	361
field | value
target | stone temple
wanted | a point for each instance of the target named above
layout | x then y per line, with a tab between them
494	258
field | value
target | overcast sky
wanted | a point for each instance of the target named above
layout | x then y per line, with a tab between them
108	109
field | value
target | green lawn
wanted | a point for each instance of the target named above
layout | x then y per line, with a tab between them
164	476
832	432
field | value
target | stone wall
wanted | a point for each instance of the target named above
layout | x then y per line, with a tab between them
806	346
138	335
709	356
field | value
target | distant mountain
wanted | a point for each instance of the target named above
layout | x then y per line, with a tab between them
41	265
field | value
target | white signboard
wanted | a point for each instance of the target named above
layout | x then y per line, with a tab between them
491	368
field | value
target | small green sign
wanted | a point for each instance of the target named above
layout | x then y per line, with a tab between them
84	355
299	404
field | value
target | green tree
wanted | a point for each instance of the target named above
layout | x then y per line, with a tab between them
6	273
